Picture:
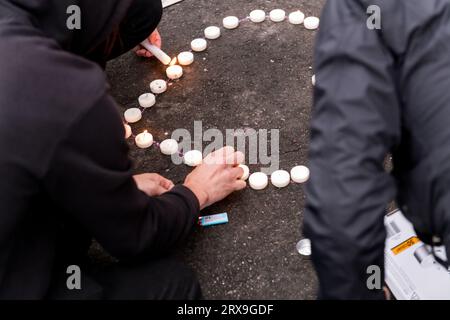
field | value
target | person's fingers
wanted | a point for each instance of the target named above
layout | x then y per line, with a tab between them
141	52
225	157
218	161
237	172
159	179
166	183
155	185
240	185
220	156
158	190
228	155
226	151
155	38
170	185
235	158
158	42
221	153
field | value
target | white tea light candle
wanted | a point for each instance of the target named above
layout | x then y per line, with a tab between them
147	100
212	32
158	86
246	171
169	147
199	45
311	23
128	131
296	17
258	181
193	158
144	140
257	16
300	174
304	247
277	15
133	115
230	22
185	58
174	72
280	178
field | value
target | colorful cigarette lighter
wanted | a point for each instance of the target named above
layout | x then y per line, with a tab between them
208	221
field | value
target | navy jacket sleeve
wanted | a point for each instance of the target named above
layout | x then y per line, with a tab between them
355	123
90	178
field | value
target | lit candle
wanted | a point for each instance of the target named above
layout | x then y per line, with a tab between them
158	86
147	100
169	147
257	16
280	178
212	32
174	72
157	52
231	22
246	171
193	158
144	140
277	15
199	45
186	58
300	174
128	131
311	23
258	181
133	115
296	17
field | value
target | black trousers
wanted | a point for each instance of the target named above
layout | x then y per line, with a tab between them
162	279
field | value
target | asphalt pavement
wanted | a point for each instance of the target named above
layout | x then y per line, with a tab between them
257	76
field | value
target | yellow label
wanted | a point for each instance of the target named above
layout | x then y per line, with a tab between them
405	245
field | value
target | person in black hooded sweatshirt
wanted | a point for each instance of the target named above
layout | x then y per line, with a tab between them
65	174
379	91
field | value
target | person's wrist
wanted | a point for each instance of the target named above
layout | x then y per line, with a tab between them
202	196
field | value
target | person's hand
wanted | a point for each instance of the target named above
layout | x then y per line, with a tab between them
155	39
153	184
217	177
387	293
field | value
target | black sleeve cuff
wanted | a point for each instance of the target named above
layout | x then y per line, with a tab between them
190	198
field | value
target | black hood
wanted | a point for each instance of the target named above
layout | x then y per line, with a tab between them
46	83
98	19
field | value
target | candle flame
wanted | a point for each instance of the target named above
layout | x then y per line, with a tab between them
173	62
145	131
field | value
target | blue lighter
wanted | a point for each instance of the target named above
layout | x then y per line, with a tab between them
208	221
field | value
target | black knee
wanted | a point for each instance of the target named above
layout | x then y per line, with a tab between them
164	279
181	282
191	285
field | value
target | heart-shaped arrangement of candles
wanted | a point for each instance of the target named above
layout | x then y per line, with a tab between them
174	71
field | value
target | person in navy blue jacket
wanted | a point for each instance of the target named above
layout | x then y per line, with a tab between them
378	92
